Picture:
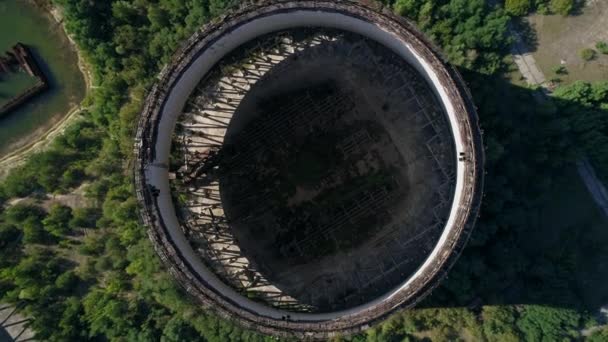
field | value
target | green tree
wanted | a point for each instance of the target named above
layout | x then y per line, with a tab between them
563	7
499	323
472	34
20	212
8	234
408	8
71	327
57	221
33	231
19	184
67	281
33	276
28	218
177	330
601	335
84	218
539	323
602	47
584	106
517	7
107	315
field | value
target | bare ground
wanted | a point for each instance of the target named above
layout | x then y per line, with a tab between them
562	38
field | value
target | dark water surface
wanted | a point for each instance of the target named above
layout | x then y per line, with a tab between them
22	22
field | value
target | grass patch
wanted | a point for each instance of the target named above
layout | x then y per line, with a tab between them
602	47
587	54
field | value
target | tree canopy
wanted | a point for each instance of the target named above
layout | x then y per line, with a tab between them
517	7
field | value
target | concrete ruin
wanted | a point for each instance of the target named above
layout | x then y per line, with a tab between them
403	199
21	57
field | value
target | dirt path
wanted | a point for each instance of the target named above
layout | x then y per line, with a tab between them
525	60
20	155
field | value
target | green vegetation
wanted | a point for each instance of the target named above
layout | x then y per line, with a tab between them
588	54
542	7
563	7
517	7
91	274
471	33
509	324
535	258
585	105
545	7
560	70
602	47
56	223
67	162
599	335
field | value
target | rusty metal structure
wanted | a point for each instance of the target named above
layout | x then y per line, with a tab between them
23	58
193	237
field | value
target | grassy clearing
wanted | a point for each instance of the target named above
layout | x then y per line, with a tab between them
563	38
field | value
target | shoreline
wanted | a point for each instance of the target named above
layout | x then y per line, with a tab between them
38	142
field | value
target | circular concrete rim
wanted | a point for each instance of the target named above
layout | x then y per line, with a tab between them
212	43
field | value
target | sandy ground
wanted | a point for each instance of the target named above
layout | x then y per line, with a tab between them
560	39
42	138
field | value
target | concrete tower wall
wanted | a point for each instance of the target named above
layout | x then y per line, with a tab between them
198	56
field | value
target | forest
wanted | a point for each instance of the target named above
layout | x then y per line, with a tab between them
91	273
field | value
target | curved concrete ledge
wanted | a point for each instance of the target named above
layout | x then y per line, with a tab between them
197	57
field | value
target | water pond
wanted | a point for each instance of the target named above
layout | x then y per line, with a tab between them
21	21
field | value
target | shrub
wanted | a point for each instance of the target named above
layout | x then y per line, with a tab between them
542	9
587	54
517	7
84	218
8	234
407	8
57	221
599	335
33	232
560	70
562	7
602	47
67	281
540	323
20	212
555	80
